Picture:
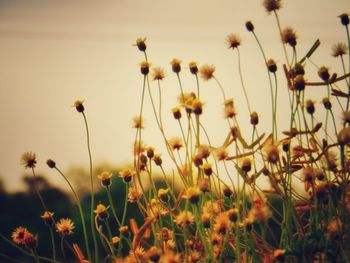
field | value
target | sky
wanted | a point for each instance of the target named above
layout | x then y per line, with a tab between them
54	52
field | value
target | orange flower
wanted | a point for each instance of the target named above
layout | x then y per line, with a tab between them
65	226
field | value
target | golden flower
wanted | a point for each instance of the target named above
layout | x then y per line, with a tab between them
176	112
207	168
154	254
271	152
144	67
205	219
163	194
207	72
289	36
101	211
124	230
185	97
105	178
28	159
65	226
126	174
176	143
233	214
246	165
192	194
197	106
222	223
193	67
115	241
233	41
211	208
18	235
184	218
158	73
149	151
138	122
339	49
272	5
216	239
158	159
176	65
310	107
48	218
204	185
221	154
140	43
278	254
134	194
78	104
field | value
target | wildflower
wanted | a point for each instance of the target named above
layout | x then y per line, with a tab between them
221	154
176	143
184	218
138	147
193	67
154	254
326	103
230	112
272	5
144	67
339	49
207	169
285	146
78	104
222	223
138	122
115	241
51	163
233	41
207	71
203	151
344	19
227	191
216	239
65	226
204	185
134	194
271	153
124	230
105	178
298	69
259	213
344	136
28	159
310	107
278	254
30	241
101	211
299	83
192	194
246	165
48	218
143	159
176	65
176	113
289	37
233	214
140	252
249	26
323	73
18	235
158	73
254	118
165	234
140	43
235	132
126	174
150	152
163	194
197	106
211	208
157	160
170	245
205	219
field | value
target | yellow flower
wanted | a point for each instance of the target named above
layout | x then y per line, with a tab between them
176	65
289	36
140	43
158	73
176	143
78	104
184	218
105	178
192	194
207	72
144	67
271	152
101	211
163	194
154	254
233	41
126	174
28	159
222	223
65	226
221	154
193	67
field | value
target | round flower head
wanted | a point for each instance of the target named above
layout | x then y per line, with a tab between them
323	73
249	26
344	19
233	41
115	241
339	49
207	72
184	218
126	174
48	218
144	67
158	73
105	178
254	118
18	235
272	5
163	194
310	107
207	169
154	254
176	113
327	103
344	136
51	163
101	211
289	36
299	83
222	223
176	143
271	65
28	159
78	104
193	67
30	241
124	230
246	165
176	65
140	43
192	194
65	226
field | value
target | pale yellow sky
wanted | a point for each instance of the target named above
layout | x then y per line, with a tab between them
53	52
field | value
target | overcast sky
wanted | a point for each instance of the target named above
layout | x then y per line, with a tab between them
56	51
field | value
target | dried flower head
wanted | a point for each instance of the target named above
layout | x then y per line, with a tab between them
140	43
233	41
176	143
204	185
30	241
48	218
207	169
246	164
272	5
175	65
346	117
78	104
271	65
271	152
176	113
51	163
249	26
299	83
327	103
207	72
289	36
126	174
221	154
233	214
310	107
134	194
28	159
18	235
323	73
124	230
138	122
65	226
197	106
158	73
105	178
193	67
185	218
157	159
222	223
203	151
254	118
144	67
339	49
344	19
344	136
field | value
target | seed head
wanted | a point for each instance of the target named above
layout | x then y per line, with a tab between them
204	185
176	143
197	106
254	118
176	65
344	19
150	151
344	136
157	160
339	49
192	194
272	5
249	26
144	67
140	43
78	104
299	83
227	191
233	41
28	159
326	103
176	113
310	107
158	73
51	163
289	36
271	153
207	72
246	165
207	169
